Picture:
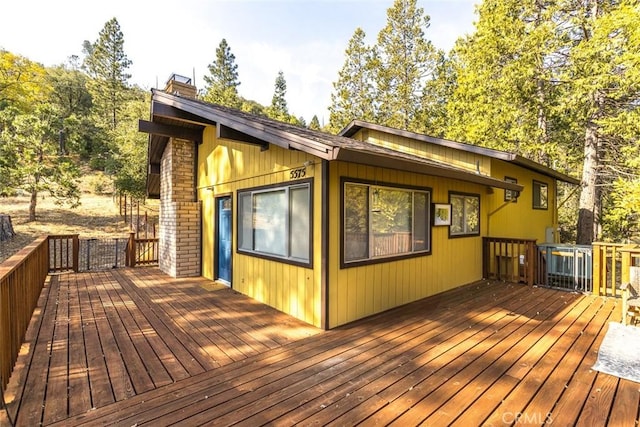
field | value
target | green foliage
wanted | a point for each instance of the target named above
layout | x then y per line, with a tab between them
130	148
432	117
253	107
39	166
222	83
504	94
278	109
354	91
106	64
553	81
315	123
22	82
407	59
385	83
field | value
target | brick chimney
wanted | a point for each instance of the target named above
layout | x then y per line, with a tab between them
180	210
181	85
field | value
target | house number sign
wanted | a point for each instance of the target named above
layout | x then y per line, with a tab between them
298	173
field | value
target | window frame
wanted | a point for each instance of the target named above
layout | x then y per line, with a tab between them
287	186
388	258
511	195
536	189
465	233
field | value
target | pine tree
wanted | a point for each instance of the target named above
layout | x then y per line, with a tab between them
354	94
433	118
278	109
107	64
407	60
222	83
315	123
604	88
505	93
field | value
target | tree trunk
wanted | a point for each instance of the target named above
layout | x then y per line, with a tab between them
32	205
589	207
6	228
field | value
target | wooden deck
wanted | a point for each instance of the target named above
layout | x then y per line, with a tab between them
134	347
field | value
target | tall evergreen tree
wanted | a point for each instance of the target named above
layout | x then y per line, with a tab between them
505	91
107	64
537	77
353	95
433	118
604	88
130	171
278	109
315	123
222	83
407	60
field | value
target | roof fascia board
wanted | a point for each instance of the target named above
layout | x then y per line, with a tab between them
280	138
226	132
163	110
356	125
172	131
537	167
423	168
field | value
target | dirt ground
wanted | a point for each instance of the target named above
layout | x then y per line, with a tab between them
97	216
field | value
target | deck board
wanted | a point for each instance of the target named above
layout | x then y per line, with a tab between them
135	347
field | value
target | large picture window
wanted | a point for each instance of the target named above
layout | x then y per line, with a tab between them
275	222
540	195
465	214
383	222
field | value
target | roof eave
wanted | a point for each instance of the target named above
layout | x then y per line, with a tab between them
544	170
421	167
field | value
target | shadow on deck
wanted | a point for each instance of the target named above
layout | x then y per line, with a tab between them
133	346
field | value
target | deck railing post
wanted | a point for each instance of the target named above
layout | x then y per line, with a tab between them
597	268
485	258
131	250
76	253
530	262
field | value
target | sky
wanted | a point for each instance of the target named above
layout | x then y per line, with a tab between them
305	39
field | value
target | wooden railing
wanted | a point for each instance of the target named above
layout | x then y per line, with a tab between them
142	251
630	260
63	252
512	260
608	269
22	278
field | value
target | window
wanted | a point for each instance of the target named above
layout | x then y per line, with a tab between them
382	222
275	222
465	214
540	195
511	195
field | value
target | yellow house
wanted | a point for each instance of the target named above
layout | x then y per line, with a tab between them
331	228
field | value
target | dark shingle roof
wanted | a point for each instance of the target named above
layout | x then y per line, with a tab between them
321	144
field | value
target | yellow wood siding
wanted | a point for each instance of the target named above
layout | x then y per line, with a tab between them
451	156
519	219
226	166
356	292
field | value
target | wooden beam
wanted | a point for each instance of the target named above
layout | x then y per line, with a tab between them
229	133
163	110
170	131
154	168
